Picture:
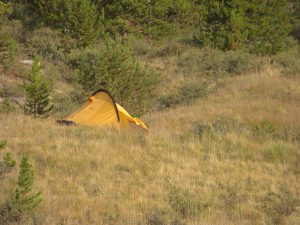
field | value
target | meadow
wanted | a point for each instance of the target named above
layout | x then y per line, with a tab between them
217	82
229	158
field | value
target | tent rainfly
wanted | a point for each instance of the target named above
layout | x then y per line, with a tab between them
101	110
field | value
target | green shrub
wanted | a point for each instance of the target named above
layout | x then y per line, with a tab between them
8	50
200	127
185	95
113	67
216	63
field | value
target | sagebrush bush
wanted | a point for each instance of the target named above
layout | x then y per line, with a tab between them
216	63
113	67
185	95
200	127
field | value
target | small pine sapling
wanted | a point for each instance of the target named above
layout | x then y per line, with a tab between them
37	89
25	199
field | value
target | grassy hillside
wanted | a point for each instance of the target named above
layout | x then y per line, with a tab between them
217	82
230	158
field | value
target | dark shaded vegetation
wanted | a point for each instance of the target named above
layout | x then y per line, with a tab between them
88	44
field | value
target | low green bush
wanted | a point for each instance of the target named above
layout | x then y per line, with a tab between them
113	67
200	127
185	95
216	63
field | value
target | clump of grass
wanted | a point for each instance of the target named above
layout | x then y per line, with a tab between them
264	129
3	143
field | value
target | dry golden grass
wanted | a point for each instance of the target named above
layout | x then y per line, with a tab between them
169	176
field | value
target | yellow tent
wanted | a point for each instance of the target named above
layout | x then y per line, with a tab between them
101	110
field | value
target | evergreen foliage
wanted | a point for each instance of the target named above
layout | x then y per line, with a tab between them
77	18
153	18
37	89
8	50
25	200
256	26
114	68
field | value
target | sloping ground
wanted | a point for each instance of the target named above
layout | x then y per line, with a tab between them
232	158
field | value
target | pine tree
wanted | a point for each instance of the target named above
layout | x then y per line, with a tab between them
37	92
76	18
255	26
25	200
